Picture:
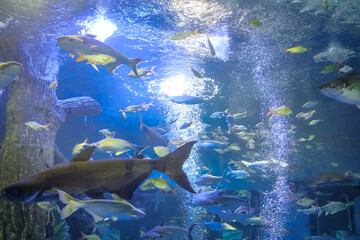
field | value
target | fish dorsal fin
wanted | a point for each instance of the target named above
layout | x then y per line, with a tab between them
160	176
84	155
116	197
119	199
91	35
162	223
358	106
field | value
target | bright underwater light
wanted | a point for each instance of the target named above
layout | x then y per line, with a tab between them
101	27
175	85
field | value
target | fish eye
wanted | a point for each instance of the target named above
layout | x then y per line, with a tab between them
333	85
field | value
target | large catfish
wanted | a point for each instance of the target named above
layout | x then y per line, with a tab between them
80	45
79	175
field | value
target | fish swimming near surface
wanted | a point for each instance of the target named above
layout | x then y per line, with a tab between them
153	136
183	35
142	72
345	89
8	71
80	45
211	47
186	99
94	178
168	232
97	59
99	209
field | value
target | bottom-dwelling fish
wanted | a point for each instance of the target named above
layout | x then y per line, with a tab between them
120	176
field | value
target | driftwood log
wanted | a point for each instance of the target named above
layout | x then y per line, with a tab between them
24	150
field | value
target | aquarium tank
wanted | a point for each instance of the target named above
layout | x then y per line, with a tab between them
170	119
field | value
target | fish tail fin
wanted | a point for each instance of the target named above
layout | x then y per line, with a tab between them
190	230
80	58
245	163
112	135
229	172
141	122
70	202
152	71
138	150
47	127
174	190
133	62
111	67
83	236
271	110
223	175
172	165
195	32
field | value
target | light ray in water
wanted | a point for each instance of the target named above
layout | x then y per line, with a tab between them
101	27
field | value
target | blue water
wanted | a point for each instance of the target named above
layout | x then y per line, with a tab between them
251	72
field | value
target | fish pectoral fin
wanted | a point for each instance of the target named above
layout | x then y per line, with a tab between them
95	67
80	58
96	217
120	152
111	67
84	155
126	191
67	211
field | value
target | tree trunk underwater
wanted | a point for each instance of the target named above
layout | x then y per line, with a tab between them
24	150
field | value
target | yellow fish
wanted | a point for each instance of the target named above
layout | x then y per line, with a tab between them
98	59
161	151
54	84
160	183
297	49
79	147
283	110
37	127
183	35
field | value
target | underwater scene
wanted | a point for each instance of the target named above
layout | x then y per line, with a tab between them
169	119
